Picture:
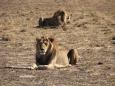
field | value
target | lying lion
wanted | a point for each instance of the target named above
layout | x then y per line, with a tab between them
60	18
50	56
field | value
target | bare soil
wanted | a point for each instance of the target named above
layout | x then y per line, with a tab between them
91	31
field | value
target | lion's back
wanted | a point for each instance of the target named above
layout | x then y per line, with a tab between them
62	58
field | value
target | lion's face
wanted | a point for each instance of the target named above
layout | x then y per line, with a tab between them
43	44
65	17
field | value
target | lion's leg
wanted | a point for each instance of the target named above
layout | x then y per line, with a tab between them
62	66
42	67
72	56
51	64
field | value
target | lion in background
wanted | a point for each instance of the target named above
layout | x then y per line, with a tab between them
50	56
60	18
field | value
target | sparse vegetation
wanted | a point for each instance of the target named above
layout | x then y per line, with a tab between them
91	31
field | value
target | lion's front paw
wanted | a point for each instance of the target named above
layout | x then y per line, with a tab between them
69	65
34	66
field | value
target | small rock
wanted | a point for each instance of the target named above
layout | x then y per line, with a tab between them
113	38
99	63
4	39
23	30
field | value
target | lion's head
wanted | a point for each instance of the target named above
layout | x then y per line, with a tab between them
65	17
43	44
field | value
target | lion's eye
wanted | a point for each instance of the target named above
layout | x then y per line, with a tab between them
46	43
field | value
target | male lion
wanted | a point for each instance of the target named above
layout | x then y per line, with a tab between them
49	57
60	18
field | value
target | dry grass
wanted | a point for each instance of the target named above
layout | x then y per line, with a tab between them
91	31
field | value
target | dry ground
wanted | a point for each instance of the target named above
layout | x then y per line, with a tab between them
92	32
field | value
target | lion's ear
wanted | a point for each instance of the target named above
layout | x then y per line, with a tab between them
51	39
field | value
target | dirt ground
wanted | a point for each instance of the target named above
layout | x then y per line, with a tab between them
91	31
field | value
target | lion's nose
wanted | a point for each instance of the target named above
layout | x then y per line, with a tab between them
42	49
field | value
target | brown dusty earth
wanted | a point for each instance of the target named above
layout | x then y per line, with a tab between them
91	31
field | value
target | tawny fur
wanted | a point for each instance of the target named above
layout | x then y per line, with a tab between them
48	55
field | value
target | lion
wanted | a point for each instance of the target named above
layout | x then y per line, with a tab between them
50	56
60	18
